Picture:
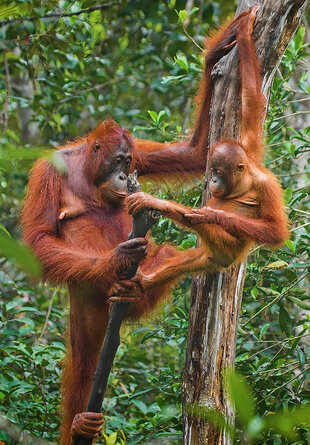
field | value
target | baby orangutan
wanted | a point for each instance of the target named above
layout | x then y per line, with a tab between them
246	205
70	205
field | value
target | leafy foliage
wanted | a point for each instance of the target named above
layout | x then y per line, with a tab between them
139	63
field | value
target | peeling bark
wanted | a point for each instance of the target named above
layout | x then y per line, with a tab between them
216	298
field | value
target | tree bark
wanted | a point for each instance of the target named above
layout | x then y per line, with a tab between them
216	298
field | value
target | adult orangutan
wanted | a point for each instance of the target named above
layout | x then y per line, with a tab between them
246	204
76	222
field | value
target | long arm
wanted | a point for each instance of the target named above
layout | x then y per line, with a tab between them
190	157
169	209
176	212
179	263
252	100
270	228
263	231
166	158
217	46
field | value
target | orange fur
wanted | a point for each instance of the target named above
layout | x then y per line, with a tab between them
216	46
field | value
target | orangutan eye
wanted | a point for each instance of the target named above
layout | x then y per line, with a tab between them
240	167
128	162
97	146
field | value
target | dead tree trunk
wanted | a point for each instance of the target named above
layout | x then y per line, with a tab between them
216	298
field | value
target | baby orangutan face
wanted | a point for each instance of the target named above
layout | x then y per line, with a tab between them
230	170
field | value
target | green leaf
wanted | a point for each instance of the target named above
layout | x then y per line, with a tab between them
111	439
5	437
264	329
140	405
182	15
8	11
241	331
29	26
301	357
181	60
298	302
288	194
154	116
241	396
4	230
299	37
285	422
256	426
284	320
20	254
177	79
193	11
277	265
254	292
161	115
141	393
290	245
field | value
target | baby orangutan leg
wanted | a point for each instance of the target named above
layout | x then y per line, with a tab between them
87	424
183	263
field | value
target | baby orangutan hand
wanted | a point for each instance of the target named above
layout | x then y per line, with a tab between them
87	424
140	200
205	215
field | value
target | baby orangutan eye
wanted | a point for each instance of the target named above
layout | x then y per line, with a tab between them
97	146
240	167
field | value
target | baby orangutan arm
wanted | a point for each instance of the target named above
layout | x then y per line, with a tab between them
183	263
169	209
262	231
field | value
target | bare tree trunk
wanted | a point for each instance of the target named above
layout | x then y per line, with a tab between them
216	298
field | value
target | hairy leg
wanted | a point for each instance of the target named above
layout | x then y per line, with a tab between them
183	263
157	282
88	322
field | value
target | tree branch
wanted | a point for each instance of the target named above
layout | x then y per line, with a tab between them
5	111
59	15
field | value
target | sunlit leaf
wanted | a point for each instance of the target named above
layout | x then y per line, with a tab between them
215	417
241	396
277	265
20	254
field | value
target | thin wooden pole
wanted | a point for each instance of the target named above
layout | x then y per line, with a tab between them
142	222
